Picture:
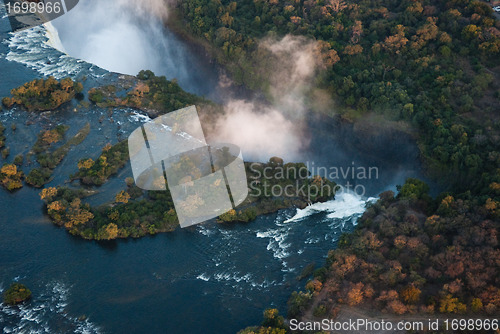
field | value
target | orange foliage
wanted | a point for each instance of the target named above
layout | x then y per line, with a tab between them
86	164
352	50
411	294
56	206
51	136
122	197
111	231
107	147
397	41
77	215
48	193
9	170
355	295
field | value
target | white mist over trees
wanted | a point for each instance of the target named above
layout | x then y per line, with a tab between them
127	36
279	128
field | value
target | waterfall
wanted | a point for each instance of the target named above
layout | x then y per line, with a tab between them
127	36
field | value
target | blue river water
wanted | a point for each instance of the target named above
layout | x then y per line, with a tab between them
213	278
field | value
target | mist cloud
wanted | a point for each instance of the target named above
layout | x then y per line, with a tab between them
261	132
127	36
277	129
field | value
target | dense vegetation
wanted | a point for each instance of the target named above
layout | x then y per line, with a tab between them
148	212
112	158
425	62
16	293
150	93
275	185
136	213
2	135
4	151
412	254
43	94
50	157
10	177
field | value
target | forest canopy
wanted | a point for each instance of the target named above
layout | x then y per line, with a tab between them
433	64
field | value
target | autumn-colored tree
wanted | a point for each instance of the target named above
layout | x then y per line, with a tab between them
111	231
425	34
122	197
103	161
411	294
8	102
77	215
396	42
85	164
67	84
491	205
51	136
476	305
227	19
395	306
388	295
400	241
352	50
48	193
356	31
336	5
355	294
450	304
371	241
272	318
9	170
10	177
328	56
314	286
55	206
107	147
471	32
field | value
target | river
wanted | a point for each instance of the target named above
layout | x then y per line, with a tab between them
206	279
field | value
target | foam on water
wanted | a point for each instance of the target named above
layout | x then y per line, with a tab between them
282	239
277	244
236	277
35	48
203	277
205	231
137	116
344	205
44	311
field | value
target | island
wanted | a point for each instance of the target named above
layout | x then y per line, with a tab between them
43	94
48	155
152	94
17	293
135	212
